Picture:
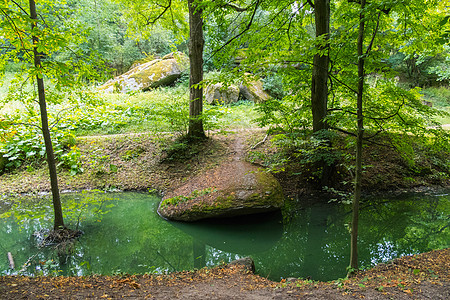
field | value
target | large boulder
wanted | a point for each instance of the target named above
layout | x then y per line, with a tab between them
155	73
220	94
233	189
252	90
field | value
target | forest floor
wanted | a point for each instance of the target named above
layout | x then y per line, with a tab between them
143	162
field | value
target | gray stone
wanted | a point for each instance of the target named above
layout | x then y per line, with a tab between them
220	94
247	262
253	90
155	73
234	189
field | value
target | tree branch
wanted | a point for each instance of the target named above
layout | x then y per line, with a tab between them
235	7
373	35
260	142
165	9
310	3
20	7
240	34
368	139
384	10
58	118
15	28
344	84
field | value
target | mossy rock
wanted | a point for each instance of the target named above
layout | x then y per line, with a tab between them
155	73
234	189
220	94
252	89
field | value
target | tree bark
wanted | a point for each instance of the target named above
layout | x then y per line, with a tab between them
319	89
59	221
359	143
319	86
196	44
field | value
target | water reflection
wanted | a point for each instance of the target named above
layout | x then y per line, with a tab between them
244	235
123	233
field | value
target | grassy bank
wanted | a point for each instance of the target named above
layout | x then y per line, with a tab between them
144	161
122	141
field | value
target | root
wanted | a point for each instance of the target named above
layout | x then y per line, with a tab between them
61	239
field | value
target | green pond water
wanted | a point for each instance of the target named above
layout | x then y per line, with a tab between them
124	234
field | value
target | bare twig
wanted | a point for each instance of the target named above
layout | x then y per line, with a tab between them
58	118
261	142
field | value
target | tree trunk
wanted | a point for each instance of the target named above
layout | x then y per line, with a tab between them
319	89
59	221
196	44
359	143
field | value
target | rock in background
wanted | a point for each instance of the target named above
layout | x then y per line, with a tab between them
220	94
251	89
155	73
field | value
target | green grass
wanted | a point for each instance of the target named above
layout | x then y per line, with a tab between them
440	98
166	110
157	111
160	110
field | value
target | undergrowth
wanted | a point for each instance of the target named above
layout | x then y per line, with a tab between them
421	160
160	112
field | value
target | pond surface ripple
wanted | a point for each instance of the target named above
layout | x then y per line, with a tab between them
124	234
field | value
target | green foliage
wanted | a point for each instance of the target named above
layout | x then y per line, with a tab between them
159	111
71	160
440	97
23	144
132	153
76	113
106	31
273	84
56	36
22	140
20	144
172	17
76	209
289	115
301	147
183	148
421	70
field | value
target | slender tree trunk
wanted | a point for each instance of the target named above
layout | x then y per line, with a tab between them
359	142
59	221
319	90
196	44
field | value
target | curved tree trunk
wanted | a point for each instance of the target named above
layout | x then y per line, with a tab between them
59	221
196	44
